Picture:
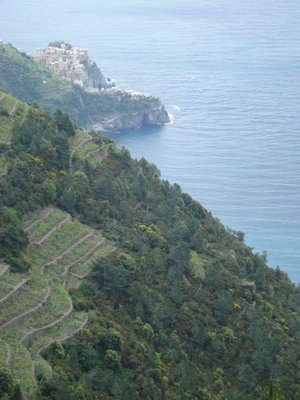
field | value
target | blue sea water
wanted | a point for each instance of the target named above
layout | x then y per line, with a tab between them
228	71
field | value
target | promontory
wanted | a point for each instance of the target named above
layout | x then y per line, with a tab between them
66	78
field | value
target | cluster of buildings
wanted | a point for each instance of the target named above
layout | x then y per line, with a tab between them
68	62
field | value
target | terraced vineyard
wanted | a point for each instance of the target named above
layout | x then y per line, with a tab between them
84	148
36	308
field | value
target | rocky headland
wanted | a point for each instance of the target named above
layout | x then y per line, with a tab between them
151	112
78	88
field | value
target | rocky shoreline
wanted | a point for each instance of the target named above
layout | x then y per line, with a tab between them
136	121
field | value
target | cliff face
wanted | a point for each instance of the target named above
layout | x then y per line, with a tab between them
151	117
94	77
157	116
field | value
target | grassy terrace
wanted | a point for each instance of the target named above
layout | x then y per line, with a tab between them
50	221
36	308
84	149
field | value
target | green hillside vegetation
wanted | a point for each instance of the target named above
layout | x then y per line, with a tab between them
116	285
29	81
36	308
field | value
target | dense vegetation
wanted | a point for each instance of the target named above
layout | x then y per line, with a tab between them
182	310
31	82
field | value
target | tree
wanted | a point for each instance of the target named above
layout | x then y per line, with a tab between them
55	351
6	384
80	187
274	391
111	276
112	359
49	190
64	123
62	150
110	339
12	237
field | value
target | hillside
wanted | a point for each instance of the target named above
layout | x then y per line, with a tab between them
116	285
36	308
109	110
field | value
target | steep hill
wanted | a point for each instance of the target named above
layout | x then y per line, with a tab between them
170	305
112	110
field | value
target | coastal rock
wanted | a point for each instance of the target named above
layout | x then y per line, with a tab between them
94	77
156	116
136	120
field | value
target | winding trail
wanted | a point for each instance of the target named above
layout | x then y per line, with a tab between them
4	269
8	354
81	143
87	254
43	216
100	150
53	230
67	251
108	121
25	313
80	276
75	148
15	288
138	205
13	110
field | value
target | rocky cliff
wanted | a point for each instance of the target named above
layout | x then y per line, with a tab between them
127	115
94	77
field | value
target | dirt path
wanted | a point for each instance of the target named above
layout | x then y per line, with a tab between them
4	269
80	276
45	213
33	374
75	148
13	110
138	205
69	249
89	153
81	143
101	156
53	230
114	118
15	288
88	253
25	313
8	355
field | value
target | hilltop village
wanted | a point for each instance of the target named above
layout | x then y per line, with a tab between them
74	65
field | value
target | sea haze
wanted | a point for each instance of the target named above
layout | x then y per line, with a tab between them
229	73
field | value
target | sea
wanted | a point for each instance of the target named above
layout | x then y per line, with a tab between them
228	72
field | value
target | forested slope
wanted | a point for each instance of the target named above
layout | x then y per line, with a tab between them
176	307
